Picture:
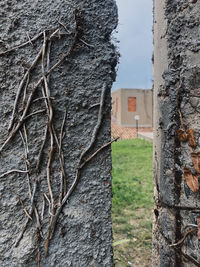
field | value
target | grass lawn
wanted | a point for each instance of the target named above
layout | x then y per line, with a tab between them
132	202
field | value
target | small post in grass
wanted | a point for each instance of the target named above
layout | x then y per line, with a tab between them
137	117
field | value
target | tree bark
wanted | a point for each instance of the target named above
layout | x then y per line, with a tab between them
176	133
56	62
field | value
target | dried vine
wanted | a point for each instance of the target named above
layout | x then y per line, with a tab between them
179	250
25	78
81	164
21	45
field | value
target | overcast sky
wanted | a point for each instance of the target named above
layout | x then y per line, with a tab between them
136	44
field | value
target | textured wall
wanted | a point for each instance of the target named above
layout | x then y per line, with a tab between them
77	36
176	113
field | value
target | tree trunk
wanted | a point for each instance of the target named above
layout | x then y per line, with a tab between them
176	133
57	65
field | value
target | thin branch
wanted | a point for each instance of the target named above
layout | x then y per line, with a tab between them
12	171
21	45
25	92
178	250
26	77
48	62
56	31
49	203
98	150
68	52
61	131
55	136
80	39
29	38
31	196
78	172
84	42
61	163
61	160
61	189
26	158
184	237
99	121
26	141
45	98
41	149
27	219
14	131
41	98
62	24
50	114
94	105
22	232
46	128
22	204
43	207
19	124
38	258
190	258
34	113
38	220
191	225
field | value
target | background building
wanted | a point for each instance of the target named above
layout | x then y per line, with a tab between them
127	103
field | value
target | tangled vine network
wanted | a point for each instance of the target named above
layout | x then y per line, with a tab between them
17	125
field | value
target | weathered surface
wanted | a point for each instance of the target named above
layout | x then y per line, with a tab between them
176	94
83	235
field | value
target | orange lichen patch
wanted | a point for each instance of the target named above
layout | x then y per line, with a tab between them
191	180
191	139
182	135
196	161
198	223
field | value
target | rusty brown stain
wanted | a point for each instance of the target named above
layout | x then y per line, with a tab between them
191	139
191	180
196	161
198	223
182	135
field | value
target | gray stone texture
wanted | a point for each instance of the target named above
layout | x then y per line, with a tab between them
83	235
176	72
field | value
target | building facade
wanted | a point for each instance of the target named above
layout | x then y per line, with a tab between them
127	103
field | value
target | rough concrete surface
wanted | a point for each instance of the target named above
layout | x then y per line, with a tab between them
83	234
176	94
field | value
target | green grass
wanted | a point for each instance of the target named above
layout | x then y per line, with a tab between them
132	202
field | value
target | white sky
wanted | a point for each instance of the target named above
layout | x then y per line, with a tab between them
136	44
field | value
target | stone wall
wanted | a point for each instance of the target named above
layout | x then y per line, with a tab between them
57	65
176	132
